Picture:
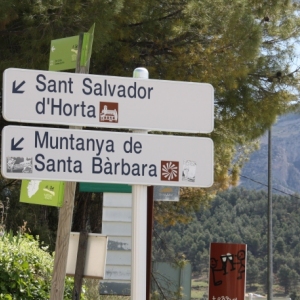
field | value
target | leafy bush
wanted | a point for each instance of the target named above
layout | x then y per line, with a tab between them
25	269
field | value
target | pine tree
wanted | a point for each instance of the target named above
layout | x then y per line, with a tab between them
244	48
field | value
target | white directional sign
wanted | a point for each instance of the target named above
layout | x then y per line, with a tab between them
35	96
108	157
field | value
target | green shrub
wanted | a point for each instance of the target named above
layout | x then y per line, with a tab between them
25	269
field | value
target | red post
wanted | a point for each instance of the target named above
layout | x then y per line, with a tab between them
149	239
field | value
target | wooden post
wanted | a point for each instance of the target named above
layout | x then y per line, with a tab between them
62	243
65	219
80	264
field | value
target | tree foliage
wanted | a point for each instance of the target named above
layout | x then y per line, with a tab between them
244	48
288	278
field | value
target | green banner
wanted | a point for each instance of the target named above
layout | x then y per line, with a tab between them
104	187
44	192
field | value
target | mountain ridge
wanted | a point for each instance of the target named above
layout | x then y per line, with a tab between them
285	162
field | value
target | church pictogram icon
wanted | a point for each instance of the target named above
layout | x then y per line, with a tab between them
109	112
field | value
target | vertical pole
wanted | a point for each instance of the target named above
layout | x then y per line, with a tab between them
80	264
62	243
83	237
270	245
139	227
150	202
65	219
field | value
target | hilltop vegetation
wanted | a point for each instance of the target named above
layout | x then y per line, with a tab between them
239	216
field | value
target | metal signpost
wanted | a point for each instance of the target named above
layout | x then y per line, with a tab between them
108	157
139	215
33	96
140	159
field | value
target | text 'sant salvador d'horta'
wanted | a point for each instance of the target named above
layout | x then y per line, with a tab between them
236	262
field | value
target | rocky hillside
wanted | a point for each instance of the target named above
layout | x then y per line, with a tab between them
285	158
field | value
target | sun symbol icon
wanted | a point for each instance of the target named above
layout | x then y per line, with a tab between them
169	170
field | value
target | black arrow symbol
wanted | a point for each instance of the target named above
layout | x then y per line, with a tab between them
14	146
16	89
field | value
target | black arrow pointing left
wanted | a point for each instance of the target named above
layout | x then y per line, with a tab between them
16	88
14	146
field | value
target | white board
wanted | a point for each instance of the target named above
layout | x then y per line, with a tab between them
44	97
107	157
95	255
